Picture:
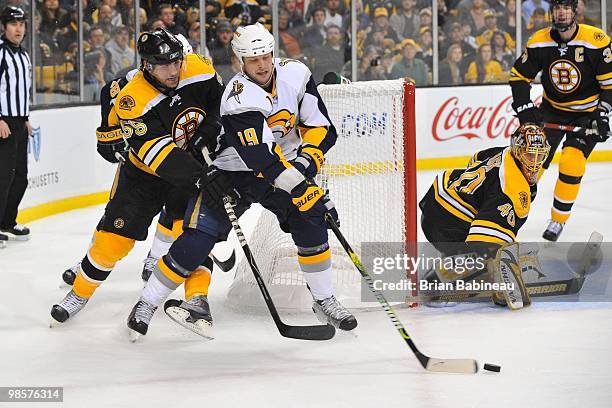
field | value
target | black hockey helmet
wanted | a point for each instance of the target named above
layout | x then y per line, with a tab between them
561	27
12	13
159	47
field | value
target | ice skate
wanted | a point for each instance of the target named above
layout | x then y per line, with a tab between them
330	311
3	239
67	308
553	231
17	233
193	314
70	274
139	319
149	264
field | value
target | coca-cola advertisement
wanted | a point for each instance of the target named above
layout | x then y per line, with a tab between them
459	121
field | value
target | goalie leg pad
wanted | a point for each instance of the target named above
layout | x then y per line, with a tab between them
507	272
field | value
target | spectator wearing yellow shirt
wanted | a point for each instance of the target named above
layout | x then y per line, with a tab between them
490	28
485	69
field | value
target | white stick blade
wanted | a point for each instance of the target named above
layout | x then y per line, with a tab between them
452	365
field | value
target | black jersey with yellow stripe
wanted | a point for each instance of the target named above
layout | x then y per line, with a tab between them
489	200
159	126
109	130
576	74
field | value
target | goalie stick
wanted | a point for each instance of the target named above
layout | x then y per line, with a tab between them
316	332
444	365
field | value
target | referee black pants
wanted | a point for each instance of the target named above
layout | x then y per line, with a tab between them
13	170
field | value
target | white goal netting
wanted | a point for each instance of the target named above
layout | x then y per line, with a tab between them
368	175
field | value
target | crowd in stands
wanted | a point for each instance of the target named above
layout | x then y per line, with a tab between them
394	37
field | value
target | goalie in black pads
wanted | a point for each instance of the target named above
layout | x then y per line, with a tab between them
481	208
576	65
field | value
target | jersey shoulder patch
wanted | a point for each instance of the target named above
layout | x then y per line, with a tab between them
541	38
514	185
136	98
292	73
197	65
242	95
590	37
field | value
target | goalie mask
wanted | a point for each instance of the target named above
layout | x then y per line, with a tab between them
530	149
563	14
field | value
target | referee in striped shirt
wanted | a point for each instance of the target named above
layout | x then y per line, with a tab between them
15	80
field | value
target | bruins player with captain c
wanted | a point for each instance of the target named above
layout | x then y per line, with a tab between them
576	65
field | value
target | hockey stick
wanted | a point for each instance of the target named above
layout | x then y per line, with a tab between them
569	128
317	332
466	366
226	265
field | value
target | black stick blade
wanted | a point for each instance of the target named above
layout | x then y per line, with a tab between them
318	332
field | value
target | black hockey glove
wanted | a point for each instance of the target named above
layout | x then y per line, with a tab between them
309	161
214	186
206	136
113	151
600	123
528	113
313	202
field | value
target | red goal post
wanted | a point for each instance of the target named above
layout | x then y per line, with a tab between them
371	176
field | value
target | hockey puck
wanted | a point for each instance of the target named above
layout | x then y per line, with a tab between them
492	367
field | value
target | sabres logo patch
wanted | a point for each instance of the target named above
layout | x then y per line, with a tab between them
237	89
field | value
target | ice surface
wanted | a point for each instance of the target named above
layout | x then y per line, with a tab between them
552	355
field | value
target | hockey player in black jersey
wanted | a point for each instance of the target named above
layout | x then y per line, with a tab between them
276	134
172	101
481	208
576	65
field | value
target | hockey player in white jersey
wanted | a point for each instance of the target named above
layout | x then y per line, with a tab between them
276	134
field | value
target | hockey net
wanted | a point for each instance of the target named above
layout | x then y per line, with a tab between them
371	176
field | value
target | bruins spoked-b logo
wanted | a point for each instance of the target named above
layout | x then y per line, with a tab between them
565	76
185	125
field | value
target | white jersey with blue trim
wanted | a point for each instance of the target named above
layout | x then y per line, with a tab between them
273	116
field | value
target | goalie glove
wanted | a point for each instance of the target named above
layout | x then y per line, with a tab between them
309	161
111	145
313	203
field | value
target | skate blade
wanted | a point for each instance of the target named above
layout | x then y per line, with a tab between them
20	238
200	327
54	323
133	335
